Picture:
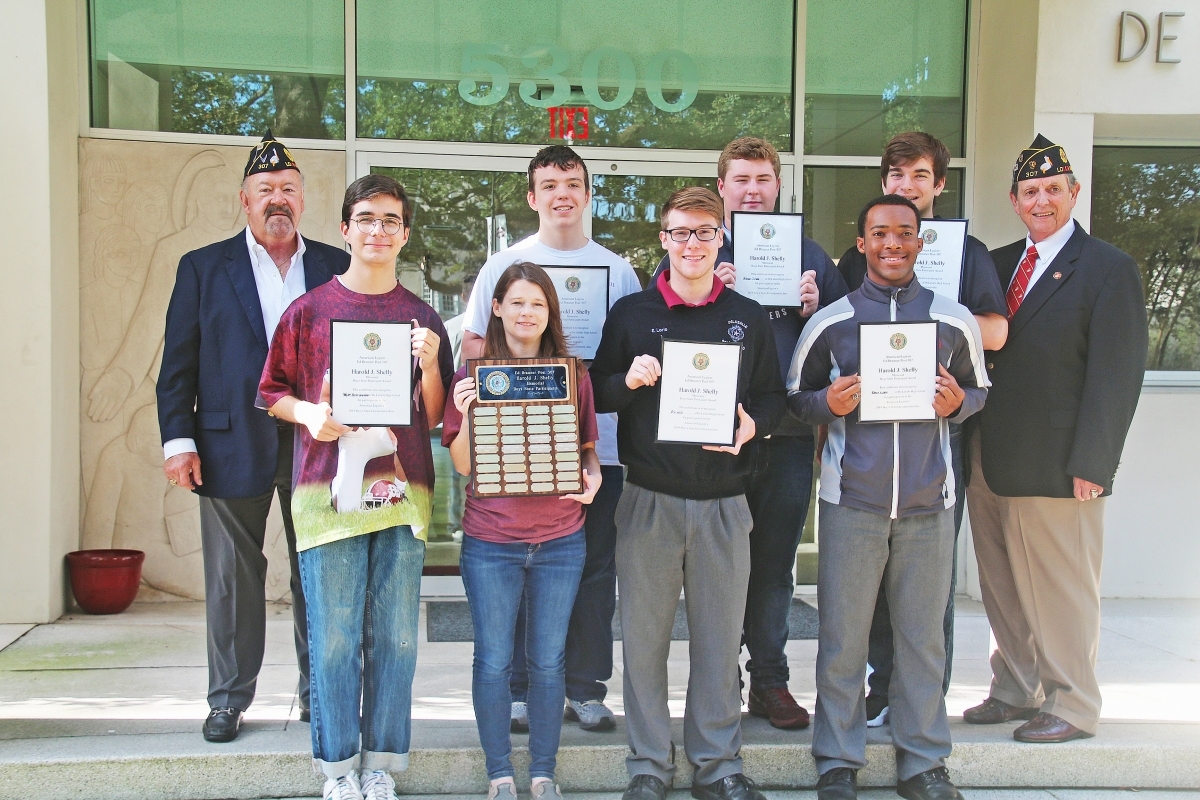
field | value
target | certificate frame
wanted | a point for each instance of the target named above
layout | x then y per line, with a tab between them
747	217
936	362
962	256
566	479
586	352
658	439
405	418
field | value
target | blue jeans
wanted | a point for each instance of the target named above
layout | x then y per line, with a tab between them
364	598
589	636
498	577
778	493
882	646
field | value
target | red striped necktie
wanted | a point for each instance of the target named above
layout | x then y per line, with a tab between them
1020	283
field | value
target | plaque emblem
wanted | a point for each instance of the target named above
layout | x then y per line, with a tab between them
929	235
497	382
372	341
767	231
898	341
573	283
700	361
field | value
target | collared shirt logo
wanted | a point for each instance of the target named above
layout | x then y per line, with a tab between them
736	330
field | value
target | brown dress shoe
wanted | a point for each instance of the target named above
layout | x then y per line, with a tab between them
993	712
778	706
1048	729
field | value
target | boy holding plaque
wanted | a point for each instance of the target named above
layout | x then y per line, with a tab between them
683	521
362	496
560	192
914	165
521	550
910	361
779	486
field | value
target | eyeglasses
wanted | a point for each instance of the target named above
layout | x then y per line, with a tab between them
389	225
683	234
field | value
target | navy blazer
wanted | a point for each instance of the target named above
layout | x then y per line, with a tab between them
1067	382
213	356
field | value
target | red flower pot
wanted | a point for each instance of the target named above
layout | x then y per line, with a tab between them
105	581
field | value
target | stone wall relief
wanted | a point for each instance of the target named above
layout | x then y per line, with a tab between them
143	206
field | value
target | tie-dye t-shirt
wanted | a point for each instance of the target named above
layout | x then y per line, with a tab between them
372	478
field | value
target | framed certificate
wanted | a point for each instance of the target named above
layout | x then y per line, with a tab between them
371	373
583	305
698	392
524	427
898	363
767	253
940	263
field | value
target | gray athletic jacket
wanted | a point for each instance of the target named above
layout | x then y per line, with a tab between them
897	469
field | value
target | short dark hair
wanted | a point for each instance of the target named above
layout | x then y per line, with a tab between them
886	200
369	186
747	148
561	156
906	148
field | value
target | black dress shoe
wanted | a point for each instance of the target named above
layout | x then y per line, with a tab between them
646	787
731	787
931	785
840	783
222	725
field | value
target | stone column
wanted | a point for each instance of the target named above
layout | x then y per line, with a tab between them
39	306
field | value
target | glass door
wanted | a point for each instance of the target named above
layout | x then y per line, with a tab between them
470	206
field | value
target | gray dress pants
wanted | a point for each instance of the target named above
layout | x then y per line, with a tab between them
664	544
861	554
235	576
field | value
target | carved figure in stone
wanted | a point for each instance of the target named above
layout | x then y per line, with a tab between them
132	506
205	207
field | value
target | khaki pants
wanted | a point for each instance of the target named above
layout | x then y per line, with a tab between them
1039	570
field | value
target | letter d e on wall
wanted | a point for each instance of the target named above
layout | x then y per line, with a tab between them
1123	43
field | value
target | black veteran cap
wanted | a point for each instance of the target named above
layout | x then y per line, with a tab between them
269	155
1042	159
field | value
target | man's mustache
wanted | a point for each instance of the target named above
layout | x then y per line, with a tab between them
274	209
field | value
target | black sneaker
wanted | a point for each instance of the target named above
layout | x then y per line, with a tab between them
646	787
731	787
840	783
933	784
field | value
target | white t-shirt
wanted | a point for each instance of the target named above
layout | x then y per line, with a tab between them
622	280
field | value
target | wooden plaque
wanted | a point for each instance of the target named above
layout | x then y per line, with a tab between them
525	427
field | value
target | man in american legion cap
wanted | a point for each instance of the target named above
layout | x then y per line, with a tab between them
1047	445
227	300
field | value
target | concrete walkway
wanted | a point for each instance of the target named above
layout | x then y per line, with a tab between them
107	698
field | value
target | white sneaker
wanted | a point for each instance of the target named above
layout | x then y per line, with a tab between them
377	785
518	720
592	715
343	788
545	790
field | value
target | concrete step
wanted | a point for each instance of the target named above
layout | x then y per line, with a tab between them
446	760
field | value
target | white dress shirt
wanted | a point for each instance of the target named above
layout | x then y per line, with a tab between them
275	294
1047	250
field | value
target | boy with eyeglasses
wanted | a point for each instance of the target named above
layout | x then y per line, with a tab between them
560	192
683	521
779	486
361	500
